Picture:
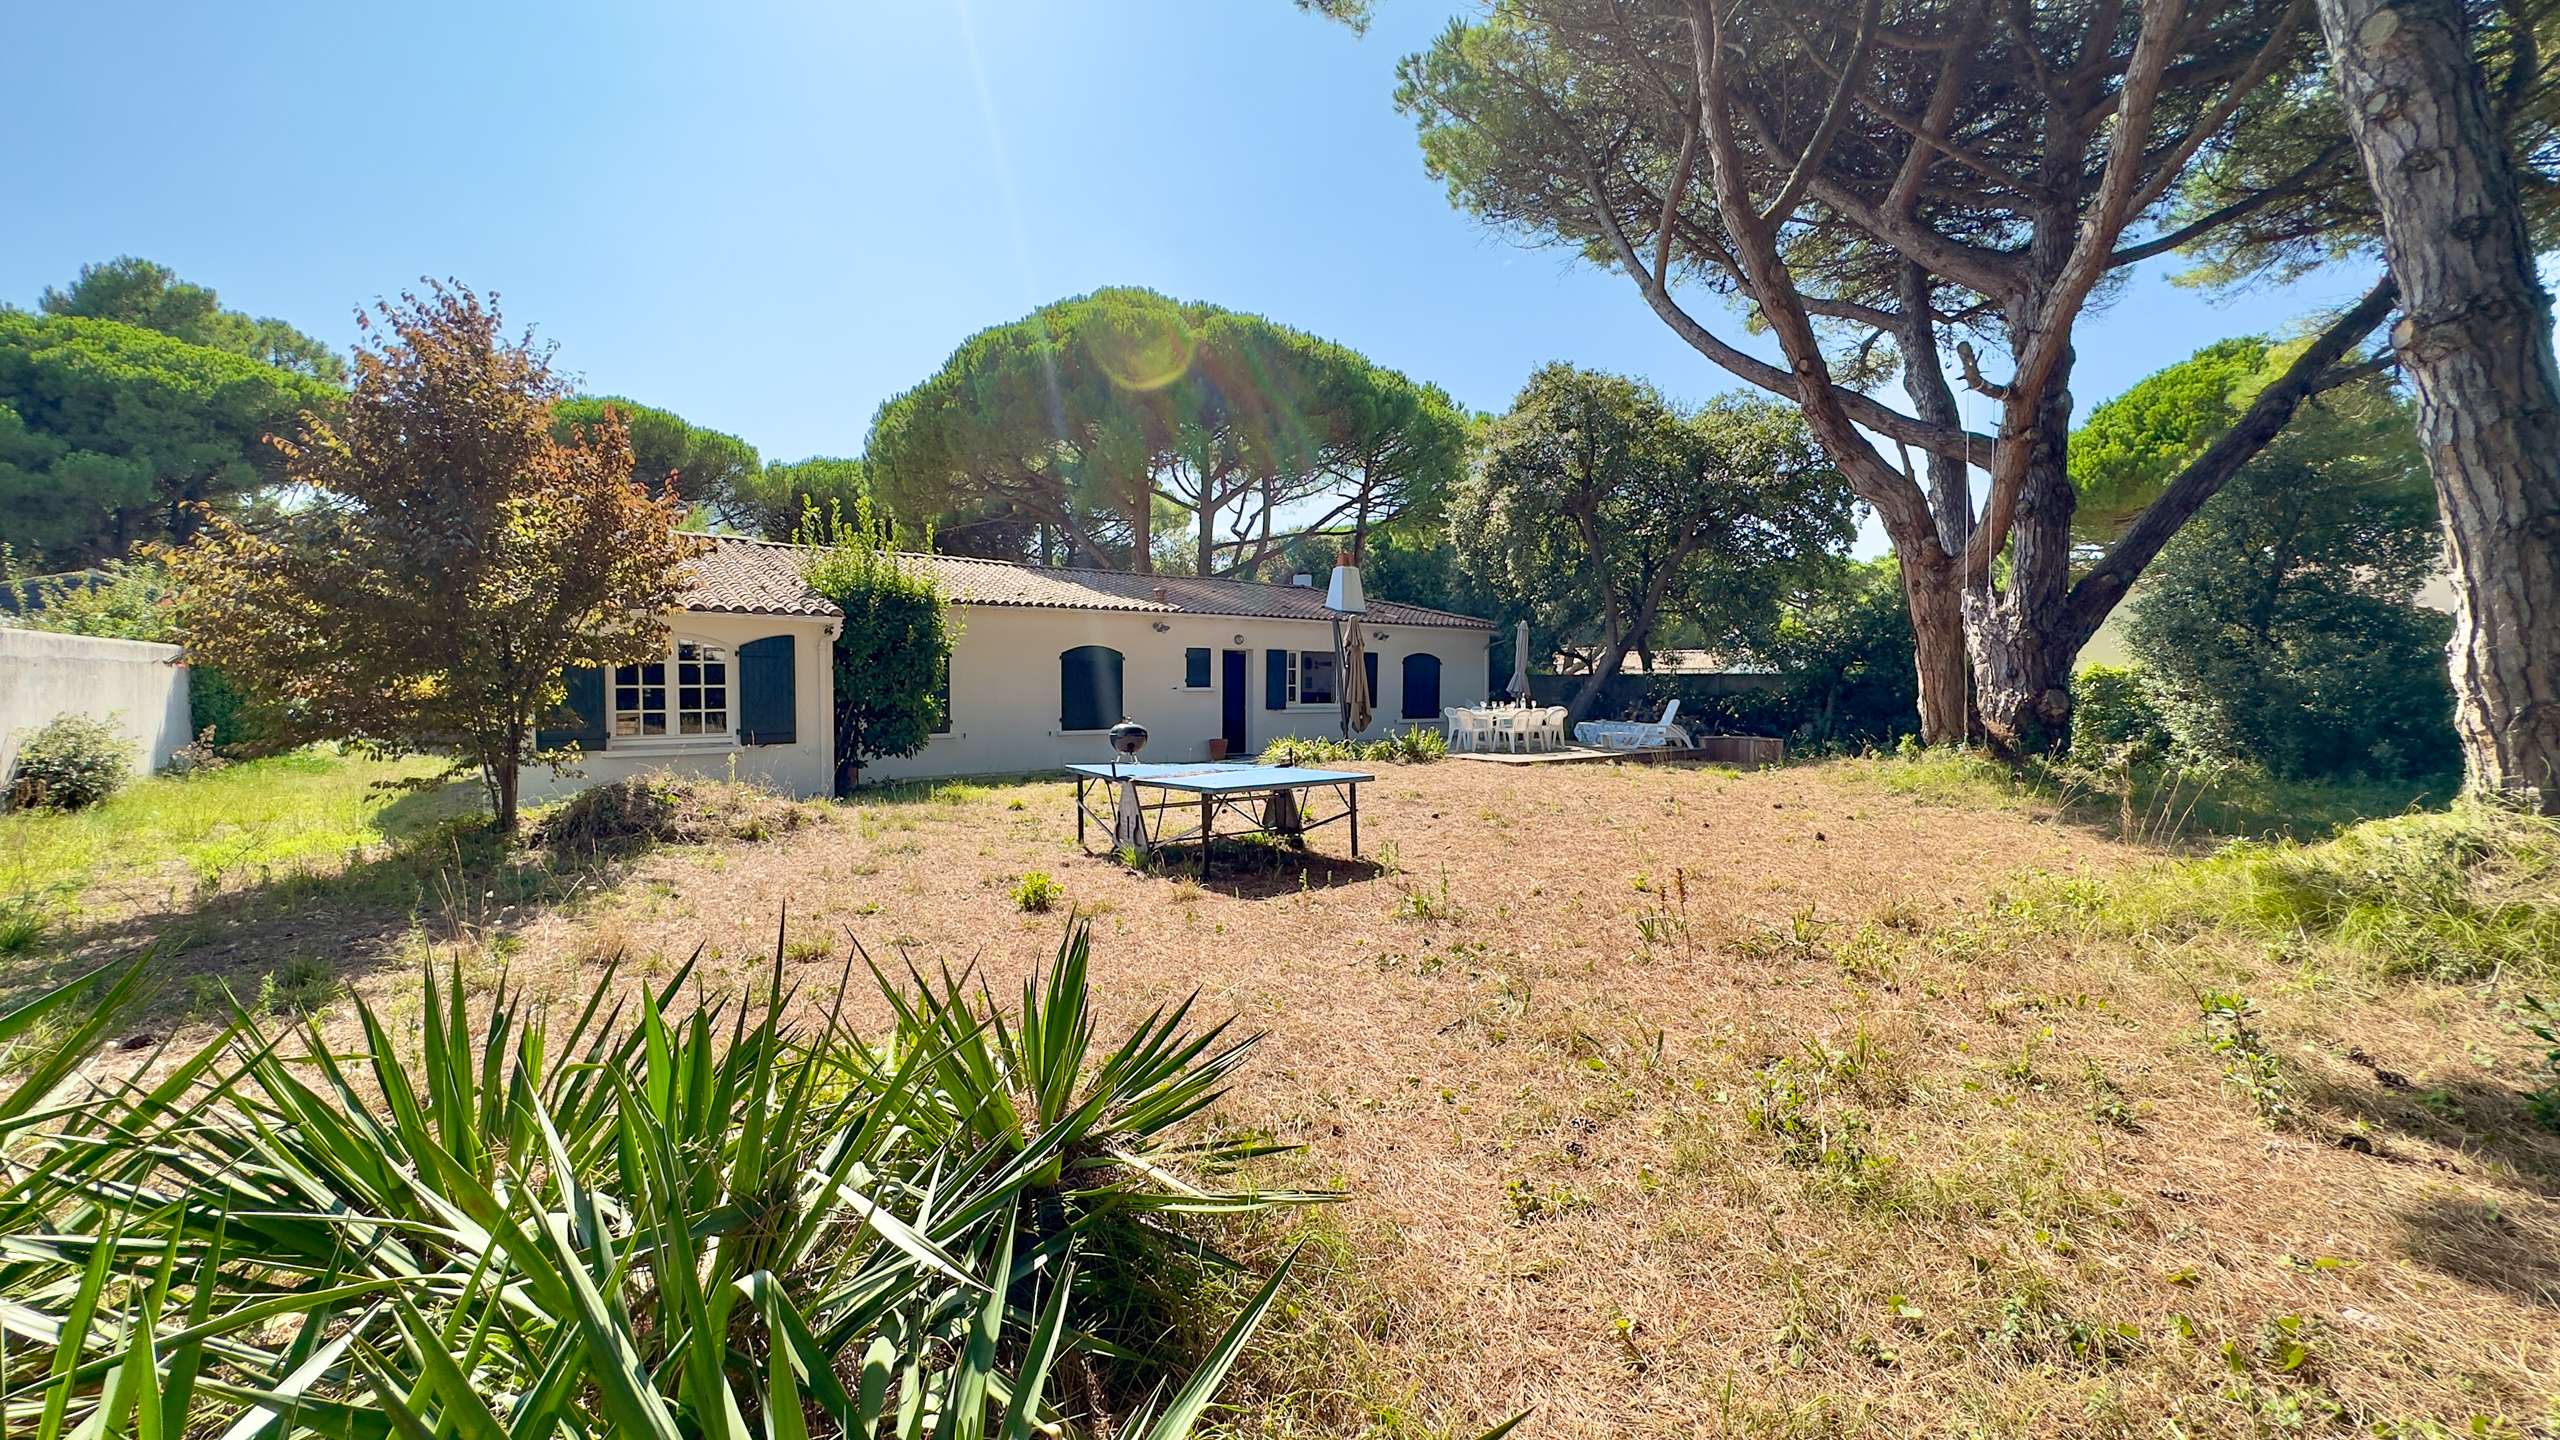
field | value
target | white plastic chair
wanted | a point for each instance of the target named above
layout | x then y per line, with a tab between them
1551	728
1508	731
1462	729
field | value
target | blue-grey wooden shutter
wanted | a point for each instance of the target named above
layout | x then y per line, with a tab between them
1275	679
1089	688
1369	664
768	692
586	708
1421	687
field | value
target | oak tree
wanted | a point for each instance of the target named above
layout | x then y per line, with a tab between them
456	555
1602	513
2280	627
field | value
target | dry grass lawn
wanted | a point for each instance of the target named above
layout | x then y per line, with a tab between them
1676	1101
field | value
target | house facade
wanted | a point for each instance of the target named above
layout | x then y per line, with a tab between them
744	686
1048	659
1045	662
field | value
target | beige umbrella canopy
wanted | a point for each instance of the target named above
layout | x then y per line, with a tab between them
1520	663
1356	699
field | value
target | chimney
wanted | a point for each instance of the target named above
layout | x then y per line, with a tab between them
1159	594
1303	582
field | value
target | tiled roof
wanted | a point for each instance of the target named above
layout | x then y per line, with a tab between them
750	577
1000	582
763	577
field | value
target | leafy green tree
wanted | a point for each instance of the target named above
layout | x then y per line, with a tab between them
138	292
1604	512
1394	446
772	501
112	435
456	557
893	656
2280	628
1842	651
706	468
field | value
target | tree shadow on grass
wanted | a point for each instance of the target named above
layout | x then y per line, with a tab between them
2480	1244
1253	868
295	940
2487	1126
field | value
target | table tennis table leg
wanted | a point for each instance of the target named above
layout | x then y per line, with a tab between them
1355	821
1080	784
1208	823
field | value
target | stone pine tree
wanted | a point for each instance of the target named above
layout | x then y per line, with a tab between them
1888	187
455	558
1086	420
114	436
2475	342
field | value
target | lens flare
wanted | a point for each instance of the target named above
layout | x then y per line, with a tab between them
1144	347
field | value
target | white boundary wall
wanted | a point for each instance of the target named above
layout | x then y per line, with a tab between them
140	686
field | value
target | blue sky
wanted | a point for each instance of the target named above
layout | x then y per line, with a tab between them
771	217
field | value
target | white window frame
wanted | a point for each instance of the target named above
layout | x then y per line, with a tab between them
1296	657
673	710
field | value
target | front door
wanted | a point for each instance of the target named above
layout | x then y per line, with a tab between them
1231	704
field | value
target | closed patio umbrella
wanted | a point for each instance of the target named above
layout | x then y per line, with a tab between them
1520	663
1356	699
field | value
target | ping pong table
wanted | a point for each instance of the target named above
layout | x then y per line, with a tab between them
1266	799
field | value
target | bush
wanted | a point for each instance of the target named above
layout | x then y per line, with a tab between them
665	808
1418	746
2113	718
631	1223
218	714
72	763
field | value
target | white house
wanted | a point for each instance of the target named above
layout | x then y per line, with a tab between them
1045	662
746	686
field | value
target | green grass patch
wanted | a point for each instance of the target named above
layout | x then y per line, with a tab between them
2452	894
261	815
2156	804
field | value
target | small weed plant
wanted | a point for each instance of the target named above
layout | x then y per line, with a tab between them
1037	893
2542	1022
2231	1032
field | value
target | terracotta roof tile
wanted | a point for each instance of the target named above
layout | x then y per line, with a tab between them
763	577
750	577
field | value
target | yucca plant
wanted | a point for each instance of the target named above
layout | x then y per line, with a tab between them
736	1223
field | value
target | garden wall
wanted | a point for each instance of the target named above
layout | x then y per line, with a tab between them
140	686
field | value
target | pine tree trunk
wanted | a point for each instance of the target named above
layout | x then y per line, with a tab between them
1936	606
2475	339
2022	651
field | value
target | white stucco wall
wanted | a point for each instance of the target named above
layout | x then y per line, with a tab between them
140	686
1005	700
804	767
